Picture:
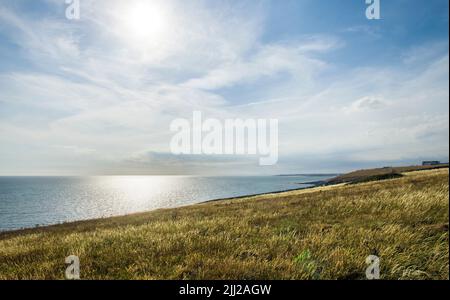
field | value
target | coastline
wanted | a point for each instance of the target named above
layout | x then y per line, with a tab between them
361	176
43	227
261	237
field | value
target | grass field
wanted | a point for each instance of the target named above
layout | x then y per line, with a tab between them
320	233
367	175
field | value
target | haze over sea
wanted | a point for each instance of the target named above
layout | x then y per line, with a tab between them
26	202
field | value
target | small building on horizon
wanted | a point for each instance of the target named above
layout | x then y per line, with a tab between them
431	163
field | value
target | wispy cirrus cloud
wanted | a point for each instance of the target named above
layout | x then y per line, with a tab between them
95	94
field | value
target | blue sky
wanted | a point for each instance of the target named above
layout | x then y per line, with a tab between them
97	95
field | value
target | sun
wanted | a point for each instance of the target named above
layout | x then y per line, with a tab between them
145	29
142	24
145	20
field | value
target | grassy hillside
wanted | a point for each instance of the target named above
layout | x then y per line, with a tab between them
321	233
380	173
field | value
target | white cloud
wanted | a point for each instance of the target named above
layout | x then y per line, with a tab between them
269	60
366	103
103	102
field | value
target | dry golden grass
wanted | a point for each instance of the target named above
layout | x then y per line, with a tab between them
363	175
322	233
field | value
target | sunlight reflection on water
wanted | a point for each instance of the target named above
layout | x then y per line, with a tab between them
28	201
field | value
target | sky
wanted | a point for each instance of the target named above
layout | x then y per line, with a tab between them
96	96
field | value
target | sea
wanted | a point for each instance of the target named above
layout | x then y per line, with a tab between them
27	202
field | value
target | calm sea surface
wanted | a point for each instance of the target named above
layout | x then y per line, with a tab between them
30	201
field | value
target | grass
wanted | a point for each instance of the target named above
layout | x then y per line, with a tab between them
320	233
380	173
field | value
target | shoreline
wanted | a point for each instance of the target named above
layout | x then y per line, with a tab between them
43	227
330	182
262	237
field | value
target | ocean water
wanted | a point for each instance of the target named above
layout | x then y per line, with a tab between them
36	201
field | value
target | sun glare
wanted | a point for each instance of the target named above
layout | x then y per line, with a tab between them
145	22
